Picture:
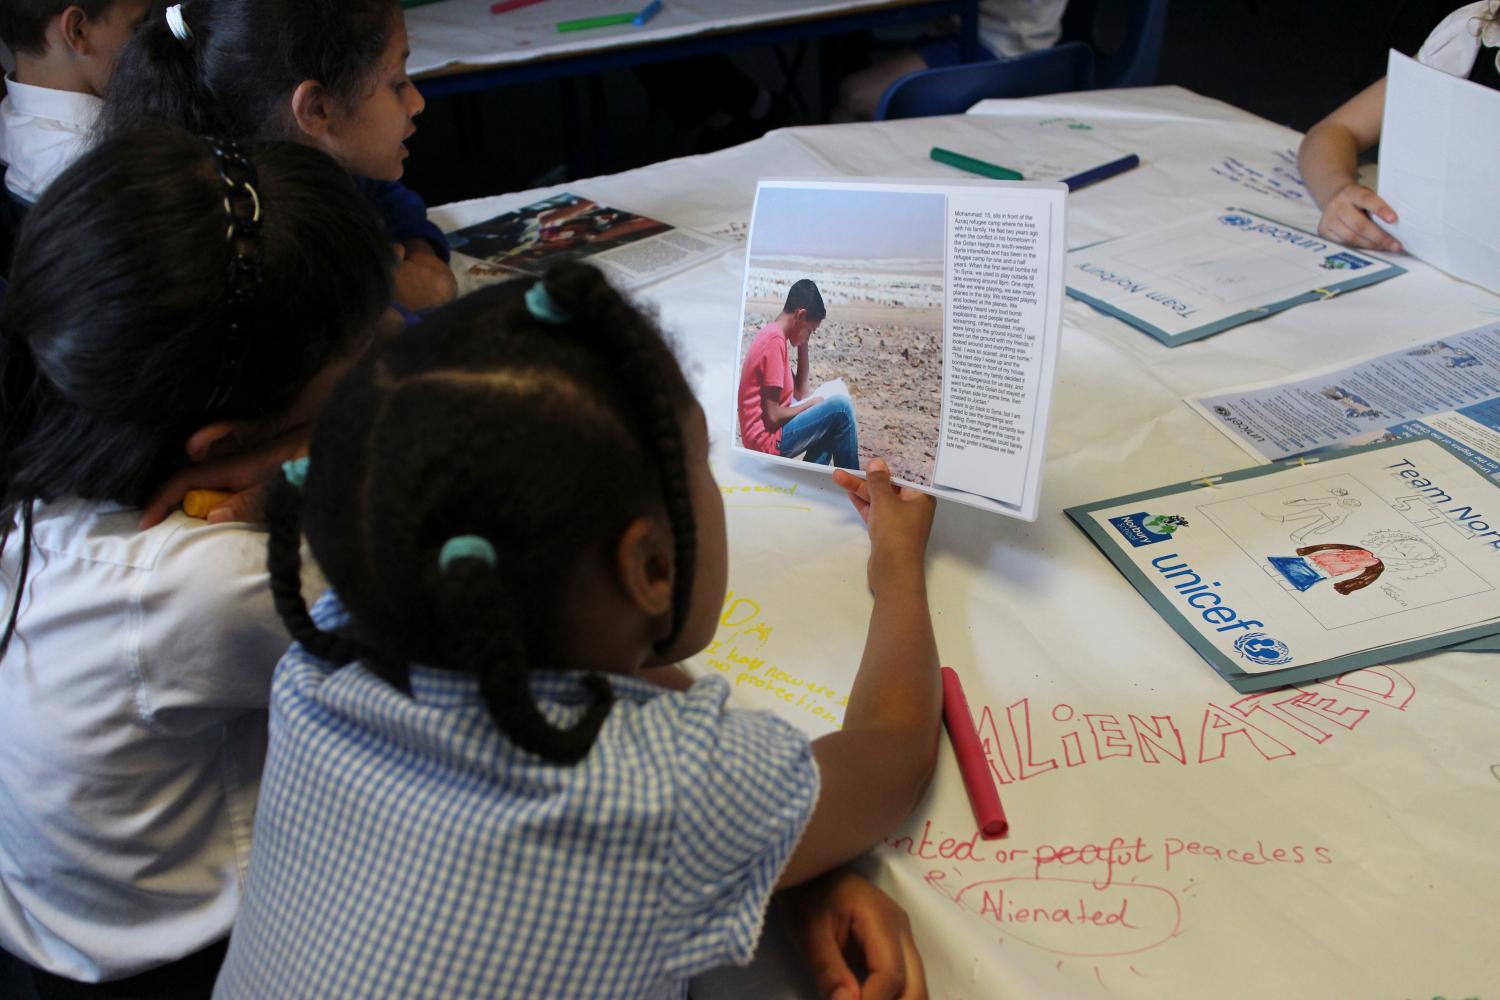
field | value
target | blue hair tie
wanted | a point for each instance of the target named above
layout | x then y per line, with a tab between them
295	471
541	304
466	547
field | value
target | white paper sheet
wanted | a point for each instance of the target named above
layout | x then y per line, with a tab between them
1439	145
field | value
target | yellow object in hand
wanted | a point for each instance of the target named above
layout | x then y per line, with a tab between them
198	503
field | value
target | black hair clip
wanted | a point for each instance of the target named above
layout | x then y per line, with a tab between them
242	211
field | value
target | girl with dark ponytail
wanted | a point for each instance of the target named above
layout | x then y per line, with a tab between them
485	776
327	73
173	298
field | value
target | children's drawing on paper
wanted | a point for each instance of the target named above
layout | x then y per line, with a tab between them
1316	515
1347	554
1403	555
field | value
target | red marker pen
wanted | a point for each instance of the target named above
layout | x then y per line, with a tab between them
971	760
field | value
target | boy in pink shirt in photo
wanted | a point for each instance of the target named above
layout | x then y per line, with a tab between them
771	420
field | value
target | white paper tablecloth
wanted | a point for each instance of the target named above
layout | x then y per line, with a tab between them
1343	840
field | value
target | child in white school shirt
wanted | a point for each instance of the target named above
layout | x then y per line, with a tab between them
135	665
64	56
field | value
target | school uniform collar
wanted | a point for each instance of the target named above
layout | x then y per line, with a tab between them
66	106
439	688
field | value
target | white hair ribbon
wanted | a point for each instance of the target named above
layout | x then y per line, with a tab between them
178	24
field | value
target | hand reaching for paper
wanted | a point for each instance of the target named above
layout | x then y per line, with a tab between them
1348	219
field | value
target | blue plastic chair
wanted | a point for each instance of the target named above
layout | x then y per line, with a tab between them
1132	60
951	90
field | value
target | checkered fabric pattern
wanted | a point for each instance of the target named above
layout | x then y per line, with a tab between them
405	848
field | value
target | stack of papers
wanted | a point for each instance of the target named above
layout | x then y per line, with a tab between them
1290	573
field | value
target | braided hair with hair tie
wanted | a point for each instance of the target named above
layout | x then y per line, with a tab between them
284	562
613	324
500	425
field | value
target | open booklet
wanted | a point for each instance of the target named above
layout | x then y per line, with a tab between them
928	315
1290	573
632	249
1215	270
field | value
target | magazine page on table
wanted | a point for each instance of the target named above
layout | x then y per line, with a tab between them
938	350
1289	573
1447	388
632	249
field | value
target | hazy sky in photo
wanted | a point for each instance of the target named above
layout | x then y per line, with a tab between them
848	224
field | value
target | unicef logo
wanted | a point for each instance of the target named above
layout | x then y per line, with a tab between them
1223	411
1236	220
1262	649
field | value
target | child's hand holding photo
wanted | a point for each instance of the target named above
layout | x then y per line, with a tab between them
877	766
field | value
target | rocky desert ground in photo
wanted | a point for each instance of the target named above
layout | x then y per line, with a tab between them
883	337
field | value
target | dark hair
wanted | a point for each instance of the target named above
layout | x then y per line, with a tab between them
496	424
121	333
236	76
805	295
23	23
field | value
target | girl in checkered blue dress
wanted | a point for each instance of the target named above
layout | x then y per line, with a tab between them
486	778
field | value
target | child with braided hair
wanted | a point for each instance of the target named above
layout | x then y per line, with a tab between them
486	778
174	298
327	73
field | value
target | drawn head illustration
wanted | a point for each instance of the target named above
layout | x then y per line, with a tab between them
1165	524
1406	555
